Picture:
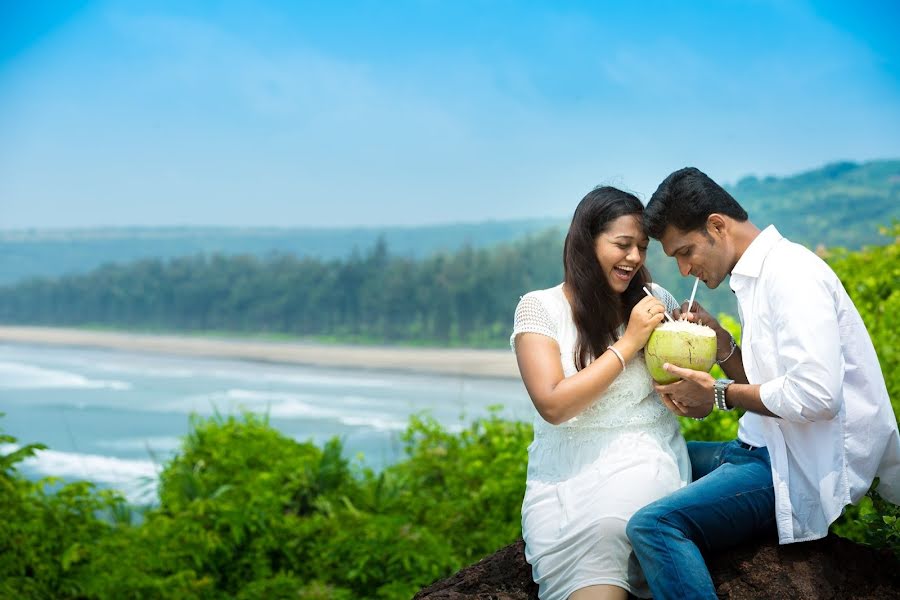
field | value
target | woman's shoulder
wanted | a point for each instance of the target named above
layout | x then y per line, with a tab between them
549	297
664	296
548	304
658	289
538	311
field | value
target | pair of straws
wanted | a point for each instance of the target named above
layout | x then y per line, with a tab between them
690	302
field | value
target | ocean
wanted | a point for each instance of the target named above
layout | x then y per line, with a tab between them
115	417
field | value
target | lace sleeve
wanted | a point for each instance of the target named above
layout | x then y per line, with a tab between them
531	317
665	297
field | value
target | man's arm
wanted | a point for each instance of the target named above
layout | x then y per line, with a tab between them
732	365
730	360
693	396
807	348
807	343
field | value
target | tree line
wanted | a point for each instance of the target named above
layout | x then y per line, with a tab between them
462	298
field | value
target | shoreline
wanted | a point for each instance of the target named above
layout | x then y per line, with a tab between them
441	361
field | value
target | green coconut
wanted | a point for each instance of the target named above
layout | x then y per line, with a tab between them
680	343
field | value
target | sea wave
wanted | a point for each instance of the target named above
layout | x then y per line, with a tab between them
377	423
301	378
164	444
287	405
136	479
18	375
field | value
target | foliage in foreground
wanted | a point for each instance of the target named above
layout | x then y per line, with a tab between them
246	512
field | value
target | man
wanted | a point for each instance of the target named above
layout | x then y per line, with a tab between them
818	426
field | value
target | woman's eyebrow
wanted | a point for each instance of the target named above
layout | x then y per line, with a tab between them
625	236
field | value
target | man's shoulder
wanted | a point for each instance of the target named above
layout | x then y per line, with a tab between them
793	262
797	253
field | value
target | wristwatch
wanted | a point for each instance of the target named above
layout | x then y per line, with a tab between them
719	388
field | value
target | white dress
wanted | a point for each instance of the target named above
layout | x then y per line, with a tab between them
587	476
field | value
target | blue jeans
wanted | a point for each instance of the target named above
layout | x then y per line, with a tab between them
731	500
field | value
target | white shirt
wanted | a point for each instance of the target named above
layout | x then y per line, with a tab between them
805	343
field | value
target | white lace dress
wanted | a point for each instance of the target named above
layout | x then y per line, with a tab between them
587	476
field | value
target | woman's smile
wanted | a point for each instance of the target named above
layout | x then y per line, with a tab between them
624	272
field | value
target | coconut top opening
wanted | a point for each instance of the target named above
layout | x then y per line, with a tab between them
687	327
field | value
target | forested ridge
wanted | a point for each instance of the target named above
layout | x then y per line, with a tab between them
27	254
463	297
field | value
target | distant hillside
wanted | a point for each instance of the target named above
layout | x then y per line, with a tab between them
37	253
842	204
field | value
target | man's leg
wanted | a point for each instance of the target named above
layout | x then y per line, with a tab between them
725	506
705	457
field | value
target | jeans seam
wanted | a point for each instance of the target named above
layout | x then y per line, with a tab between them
669	559
766	487
669	512
662	517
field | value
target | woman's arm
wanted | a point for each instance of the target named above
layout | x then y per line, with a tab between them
558	398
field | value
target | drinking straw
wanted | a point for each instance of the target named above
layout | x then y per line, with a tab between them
649	293
693	293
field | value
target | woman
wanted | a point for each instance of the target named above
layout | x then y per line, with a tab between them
604	445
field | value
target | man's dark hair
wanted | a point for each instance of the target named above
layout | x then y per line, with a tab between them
685	199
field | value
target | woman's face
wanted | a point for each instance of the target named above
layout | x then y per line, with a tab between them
621	250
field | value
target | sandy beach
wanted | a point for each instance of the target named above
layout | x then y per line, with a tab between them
465	362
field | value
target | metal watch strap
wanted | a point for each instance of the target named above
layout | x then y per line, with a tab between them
719	388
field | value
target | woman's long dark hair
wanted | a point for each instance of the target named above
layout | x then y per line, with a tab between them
596	308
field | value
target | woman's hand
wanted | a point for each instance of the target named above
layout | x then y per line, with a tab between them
645	316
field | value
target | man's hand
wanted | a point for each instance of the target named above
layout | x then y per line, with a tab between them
693	396
697	314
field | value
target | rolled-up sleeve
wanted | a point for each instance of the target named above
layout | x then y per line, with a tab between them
808	346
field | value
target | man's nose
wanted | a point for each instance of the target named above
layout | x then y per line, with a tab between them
684	267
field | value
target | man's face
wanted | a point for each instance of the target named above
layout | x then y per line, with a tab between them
698	253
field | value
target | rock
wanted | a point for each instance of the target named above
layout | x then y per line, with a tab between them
503	575
831	568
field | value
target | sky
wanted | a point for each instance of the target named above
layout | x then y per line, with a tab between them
372	113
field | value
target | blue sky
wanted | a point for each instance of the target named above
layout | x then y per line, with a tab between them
376	113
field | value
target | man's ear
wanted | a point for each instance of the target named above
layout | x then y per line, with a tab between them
716	225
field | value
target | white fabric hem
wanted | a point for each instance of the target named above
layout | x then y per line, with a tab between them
810	538
600	581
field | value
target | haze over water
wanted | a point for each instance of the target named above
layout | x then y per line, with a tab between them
115	417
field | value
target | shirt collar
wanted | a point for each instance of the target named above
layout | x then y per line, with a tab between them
751	261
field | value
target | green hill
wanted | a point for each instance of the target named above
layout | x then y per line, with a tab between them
841	204
838	205
51	253
464	295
